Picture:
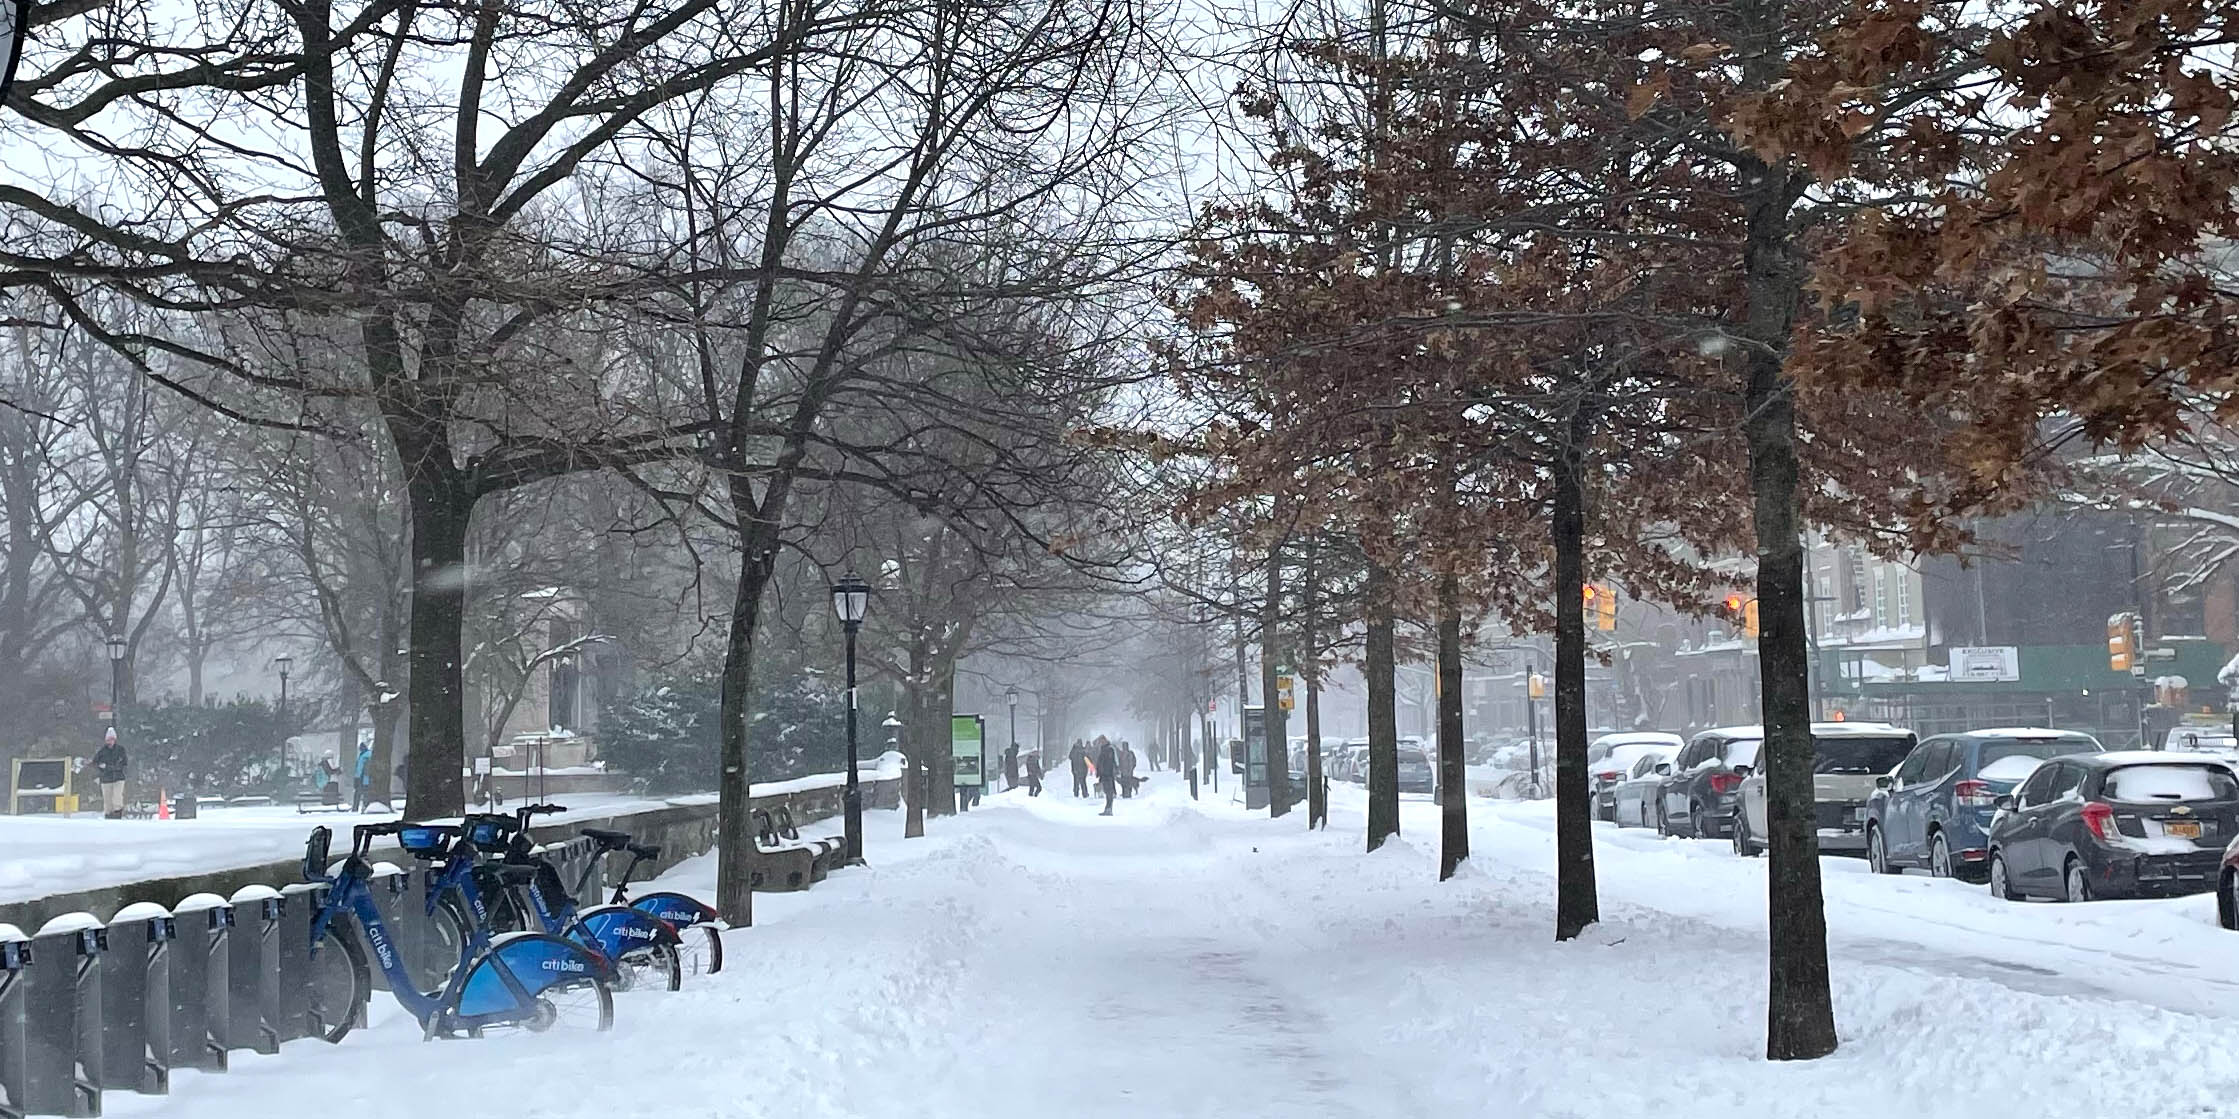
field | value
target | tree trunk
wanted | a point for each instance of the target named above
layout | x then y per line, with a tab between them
914	771
436	741
385	714
1383	710
1453	782
940	736
1309	666
735	840
1270	692
1800	1016
1576	904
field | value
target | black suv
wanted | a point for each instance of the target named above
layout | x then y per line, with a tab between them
1701	785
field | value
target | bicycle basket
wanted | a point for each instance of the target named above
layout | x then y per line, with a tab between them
487	834
424	842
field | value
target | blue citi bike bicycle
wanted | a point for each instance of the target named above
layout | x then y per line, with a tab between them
662	929
525	981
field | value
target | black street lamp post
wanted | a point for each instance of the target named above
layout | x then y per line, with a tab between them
116	674
851	599
283	662
1010	769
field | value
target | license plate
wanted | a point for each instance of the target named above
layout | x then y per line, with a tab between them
1858	815
2181	829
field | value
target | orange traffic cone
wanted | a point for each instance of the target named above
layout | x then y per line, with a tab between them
162	804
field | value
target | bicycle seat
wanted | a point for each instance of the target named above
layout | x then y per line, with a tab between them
611	840
643	850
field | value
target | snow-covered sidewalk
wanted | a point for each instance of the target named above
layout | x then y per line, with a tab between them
1179	959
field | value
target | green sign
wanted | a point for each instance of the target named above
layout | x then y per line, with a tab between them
967	735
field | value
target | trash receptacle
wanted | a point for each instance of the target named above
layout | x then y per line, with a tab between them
182	807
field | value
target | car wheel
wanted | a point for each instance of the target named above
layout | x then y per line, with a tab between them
1663	825
2227	901
2001	887
1698	822
1743	844
1939	856
1877	851
2079	883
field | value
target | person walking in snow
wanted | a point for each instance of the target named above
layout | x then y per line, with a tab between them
109	764
363	782
1079	758
1010	766
1033	775
1127	777
1107	772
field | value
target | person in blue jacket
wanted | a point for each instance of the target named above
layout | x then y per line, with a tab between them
363	785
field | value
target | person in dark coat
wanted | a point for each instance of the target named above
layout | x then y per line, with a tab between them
1127	777
1033	775
109	764
1107	773
1010	766
1079	757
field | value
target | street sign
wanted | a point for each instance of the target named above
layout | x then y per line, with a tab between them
967	741
1985	663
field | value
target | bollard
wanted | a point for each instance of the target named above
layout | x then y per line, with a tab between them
62	1052
136	1000
200	987
15	960
253	978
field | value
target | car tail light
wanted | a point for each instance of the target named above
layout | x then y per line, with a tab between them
1973	794
1724	782
2100	818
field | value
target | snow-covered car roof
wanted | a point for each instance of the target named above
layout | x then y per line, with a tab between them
1631	737
1625	755
1845	729
2025	732
2113	758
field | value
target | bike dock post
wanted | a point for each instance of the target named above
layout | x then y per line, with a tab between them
62	1060
15	961
300	901
136	1000
391	887
253	977
200	1020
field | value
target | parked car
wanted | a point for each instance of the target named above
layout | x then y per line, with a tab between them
1632	800
1934	810
1416	773
1697	795
1846	761
2200	740
1610	759
2130	823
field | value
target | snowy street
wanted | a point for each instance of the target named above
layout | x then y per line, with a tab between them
1032	958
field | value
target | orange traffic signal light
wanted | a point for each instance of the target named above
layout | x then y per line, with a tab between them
1601	602
2122	642
1742	611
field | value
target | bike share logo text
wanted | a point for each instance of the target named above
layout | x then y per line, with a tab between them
563	965
636	933
381	947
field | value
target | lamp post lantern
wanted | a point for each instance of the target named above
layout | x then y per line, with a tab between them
851	599
283	662
116	672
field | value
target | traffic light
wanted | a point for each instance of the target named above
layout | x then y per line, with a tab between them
2122	643
1742	612
1601	602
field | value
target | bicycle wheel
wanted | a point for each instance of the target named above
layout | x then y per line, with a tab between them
577	1006
654	967
701	952
338	986
436	949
